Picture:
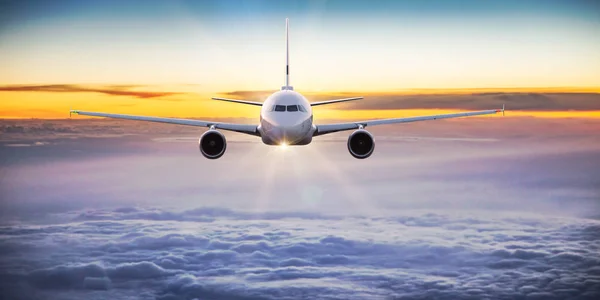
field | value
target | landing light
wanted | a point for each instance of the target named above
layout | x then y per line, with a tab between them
283	146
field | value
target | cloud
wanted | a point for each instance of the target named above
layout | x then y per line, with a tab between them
248	247
227	254
112	90
65	276
203	214
45	129
137	270
515	101
250	95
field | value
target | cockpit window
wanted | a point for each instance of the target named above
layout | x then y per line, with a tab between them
288	108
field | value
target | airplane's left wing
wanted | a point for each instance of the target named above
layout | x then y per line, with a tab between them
330	128
334	101
242	128
238	101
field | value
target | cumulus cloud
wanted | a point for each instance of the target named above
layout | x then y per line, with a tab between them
66	276
213	253
289	244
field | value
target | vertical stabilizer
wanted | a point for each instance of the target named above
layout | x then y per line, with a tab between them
287	56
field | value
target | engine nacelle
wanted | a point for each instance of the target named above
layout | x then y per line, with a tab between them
212	144
361	144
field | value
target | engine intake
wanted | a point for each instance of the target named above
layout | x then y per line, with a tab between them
361	144
212	144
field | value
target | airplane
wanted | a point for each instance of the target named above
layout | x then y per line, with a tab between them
286	119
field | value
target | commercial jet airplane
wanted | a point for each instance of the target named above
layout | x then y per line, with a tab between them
286	118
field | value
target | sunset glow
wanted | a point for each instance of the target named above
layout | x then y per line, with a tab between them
179	54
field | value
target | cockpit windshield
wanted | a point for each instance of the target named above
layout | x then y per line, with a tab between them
291	108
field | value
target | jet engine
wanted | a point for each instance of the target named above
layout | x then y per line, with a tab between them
212	144
361	144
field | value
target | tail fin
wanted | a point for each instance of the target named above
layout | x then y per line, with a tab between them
287	56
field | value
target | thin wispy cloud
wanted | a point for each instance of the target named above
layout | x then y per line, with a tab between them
519	101
111	90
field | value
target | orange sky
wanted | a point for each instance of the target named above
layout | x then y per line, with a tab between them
343	48
196	103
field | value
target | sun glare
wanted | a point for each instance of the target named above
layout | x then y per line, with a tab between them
283	146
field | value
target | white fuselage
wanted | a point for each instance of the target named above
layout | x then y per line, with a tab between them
286	119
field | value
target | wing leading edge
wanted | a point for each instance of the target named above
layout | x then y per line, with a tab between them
330	128
334	101
311	104
242	128
238	101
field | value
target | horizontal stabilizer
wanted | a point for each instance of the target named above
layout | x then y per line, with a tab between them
334	101
238	101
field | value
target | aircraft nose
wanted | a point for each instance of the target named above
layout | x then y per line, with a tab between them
288	130
278	133
288	123
284	134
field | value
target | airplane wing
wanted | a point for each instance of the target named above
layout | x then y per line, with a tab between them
330	128
334	101
242	128
238	101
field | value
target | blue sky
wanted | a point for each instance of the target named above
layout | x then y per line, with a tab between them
378	45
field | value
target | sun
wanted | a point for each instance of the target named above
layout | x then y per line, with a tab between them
283	146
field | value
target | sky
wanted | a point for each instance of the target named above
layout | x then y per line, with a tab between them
198	49
469	208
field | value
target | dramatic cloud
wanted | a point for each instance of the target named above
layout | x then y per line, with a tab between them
112	90
490	208
516	101
215	253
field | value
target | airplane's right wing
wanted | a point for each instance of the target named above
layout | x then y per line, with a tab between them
331	128
242	128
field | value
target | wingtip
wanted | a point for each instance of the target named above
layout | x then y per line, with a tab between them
501	110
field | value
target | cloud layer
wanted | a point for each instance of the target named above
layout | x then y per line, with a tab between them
515	101
112	90
86	218
215	253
